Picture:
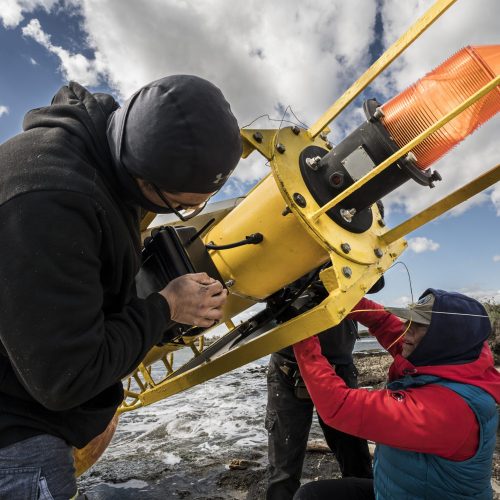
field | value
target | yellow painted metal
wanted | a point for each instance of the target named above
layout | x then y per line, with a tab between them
433	13
145	372
325	231
286	253
301	233
264	145
408	147
292	247
316	239
474	187
157	352
330	312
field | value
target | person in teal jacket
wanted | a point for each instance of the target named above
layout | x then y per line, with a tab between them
435	423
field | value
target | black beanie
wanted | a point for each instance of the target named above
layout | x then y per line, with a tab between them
177	133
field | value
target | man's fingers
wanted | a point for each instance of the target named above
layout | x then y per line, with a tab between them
213	314
195	299
207	323
215	288
202	278
216	301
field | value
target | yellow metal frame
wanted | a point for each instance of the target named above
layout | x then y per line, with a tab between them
372	252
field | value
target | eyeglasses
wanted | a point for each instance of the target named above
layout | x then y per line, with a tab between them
184	214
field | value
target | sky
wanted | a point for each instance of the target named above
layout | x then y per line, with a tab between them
267	56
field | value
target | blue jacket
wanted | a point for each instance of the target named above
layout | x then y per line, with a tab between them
405	474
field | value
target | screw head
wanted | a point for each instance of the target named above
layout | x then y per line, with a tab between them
313	163
378	252
379	113
258	137
229	283
296	130
329	145
347	272
280	147
381	222
347	214
322	135
346	248
300	200
286	211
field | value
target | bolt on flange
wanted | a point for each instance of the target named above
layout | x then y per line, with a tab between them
280	148
347	272
314	163
347	214
300	200
345	247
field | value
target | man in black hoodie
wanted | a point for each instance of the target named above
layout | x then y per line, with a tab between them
73	185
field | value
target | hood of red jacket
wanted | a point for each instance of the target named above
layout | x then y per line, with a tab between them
481	372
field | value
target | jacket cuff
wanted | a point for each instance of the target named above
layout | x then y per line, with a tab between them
161	305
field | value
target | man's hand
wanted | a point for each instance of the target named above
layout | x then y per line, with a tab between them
195	299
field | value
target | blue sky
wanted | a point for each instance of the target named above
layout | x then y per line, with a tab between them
266	57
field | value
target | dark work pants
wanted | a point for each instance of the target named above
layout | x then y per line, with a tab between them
349	488
288	421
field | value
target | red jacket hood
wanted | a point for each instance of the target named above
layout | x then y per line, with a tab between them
481	373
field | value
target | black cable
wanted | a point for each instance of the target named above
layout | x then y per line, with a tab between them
200	232
252	239
282	120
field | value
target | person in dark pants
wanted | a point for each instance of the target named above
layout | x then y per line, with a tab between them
348	488
290	412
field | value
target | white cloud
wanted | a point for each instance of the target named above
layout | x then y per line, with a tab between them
264	56
482	294
421	244
4	110
12	11
73	66
261	54
496	258
402	301
267	55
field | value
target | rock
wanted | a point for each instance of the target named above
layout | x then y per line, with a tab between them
241	464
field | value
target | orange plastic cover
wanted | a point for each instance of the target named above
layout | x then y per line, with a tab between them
439	92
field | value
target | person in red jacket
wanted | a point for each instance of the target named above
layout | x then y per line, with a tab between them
436	421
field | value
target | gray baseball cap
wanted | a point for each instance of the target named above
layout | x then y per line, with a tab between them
419	312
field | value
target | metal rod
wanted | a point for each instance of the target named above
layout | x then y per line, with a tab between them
436	10
460	195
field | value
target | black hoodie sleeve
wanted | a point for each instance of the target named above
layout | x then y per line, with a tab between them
63	348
